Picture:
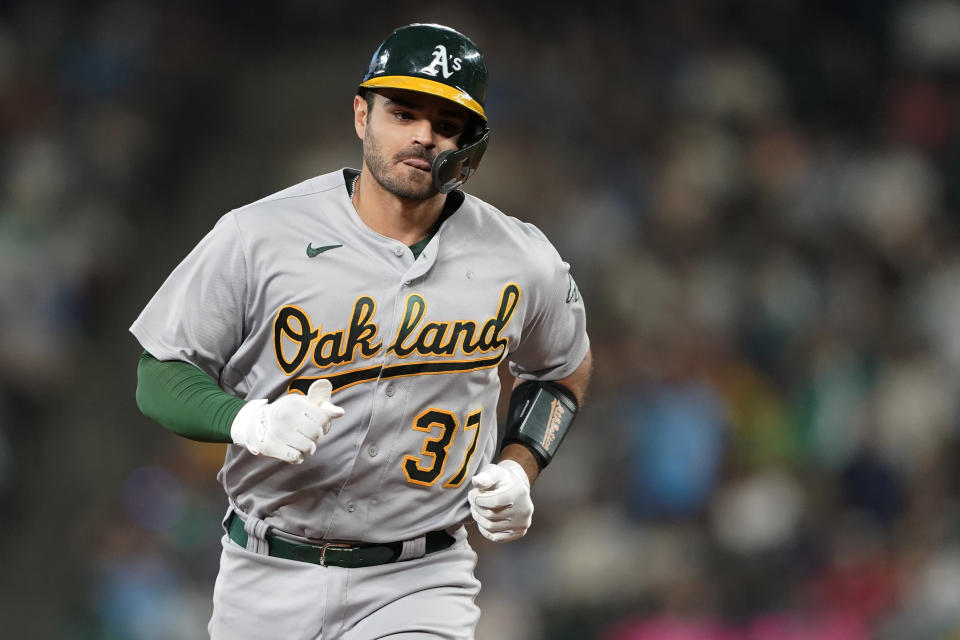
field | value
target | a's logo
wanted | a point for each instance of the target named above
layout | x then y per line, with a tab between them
440	59
314	252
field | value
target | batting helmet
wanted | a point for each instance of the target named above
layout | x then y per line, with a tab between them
434	59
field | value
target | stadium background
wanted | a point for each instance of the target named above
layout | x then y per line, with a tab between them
760	199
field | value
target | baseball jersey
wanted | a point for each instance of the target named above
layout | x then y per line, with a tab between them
295	286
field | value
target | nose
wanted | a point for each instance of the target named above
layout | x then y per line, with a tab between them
422	133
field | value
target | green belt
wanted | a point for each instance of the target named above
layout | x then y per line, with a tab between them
336	554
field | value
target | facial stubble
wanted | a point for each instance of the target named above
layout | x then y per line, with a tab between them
380	167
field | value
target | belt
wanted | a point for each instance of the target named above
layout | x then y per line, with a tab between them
336	554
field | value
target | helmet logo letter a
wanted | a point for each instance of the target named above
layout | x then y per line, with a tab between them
440	58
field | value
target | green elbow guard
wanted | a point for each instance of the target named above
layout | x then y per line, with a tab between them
539	417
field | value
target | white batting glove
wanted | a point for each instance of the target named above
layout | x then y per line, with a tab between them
500	501
288	428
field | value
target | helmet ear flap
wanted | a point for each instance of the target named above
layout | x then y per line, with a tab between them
452	168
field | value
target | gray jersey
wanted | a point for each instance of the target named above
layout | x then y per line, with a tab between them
295	286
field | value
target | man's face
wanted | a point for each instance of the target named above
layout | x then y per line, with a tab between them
402	134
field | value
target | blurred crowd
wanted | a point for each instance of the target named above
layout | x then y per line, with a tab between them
759	200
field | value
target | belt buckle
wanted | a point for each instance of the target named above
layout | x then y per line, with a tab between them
327	545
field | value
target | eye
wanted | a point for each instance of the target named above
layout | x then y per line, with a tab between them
449	128
400	114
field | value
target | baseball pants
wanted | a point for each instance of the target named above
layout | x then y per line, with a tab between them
258	597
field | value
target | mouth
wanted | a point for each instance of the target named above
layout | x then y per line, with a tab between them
417	163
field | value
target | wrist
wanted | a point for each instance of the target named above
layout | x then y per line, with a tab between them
245	423
523	458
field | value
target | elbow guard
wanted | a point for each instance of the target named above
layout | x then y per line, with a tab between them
539	417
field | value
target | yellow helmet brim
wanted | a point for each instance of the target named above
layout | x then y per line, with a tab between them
423	85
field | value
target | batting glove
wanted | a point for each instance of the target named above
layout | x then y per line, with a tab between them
500	501
288	428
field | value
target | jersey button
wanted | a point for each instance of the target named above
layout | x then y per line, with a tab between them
398	251
390	390
351	507
373	451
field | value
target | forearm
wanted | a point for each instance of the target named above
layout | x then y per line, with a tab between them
577	383
185	400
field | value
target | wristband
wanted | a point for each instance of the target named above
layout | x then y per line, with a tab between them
539	417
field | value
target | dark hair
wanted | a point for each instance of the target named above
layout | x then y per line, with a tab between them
368	95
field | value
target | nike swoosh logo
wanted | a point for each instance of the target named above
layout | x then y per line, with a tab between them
313	253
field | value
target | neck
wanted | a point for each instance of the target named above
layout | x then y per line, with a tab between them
407	221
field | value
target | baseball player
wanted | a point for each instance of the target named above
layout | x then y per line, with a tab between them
344	335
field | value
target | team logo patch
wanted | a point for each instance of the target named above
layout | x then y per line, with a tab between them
573	294
441	59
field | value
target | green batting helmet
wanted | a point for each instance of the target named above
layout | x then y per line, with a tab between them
434	59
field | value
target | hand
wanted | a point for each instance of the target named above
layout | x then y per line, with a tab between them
500	501
289	428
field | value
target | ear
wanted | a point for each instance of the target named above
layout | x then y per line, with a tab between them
360	115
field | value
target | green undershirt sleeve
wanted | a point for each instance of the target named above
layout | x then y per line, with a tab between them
185	400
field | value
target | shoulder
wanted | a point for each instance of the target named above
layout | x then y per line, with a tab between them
293	197
522	240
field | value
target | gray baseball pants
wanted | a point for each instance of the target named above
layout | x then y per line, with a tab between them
257	597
